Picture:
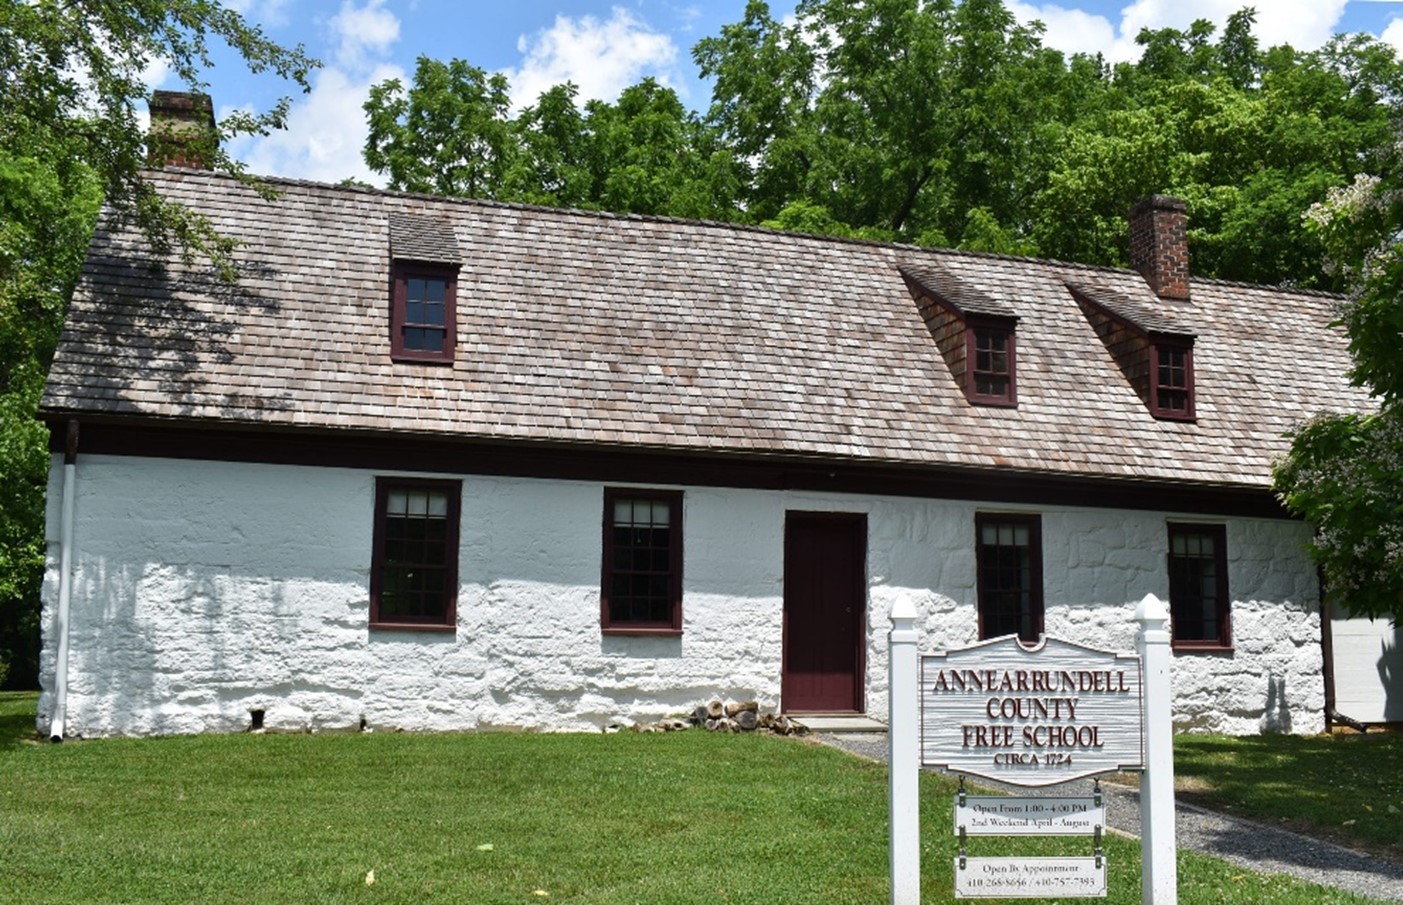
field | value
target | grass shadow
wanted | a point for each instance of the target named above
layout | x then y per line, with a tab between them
1345	788
17	712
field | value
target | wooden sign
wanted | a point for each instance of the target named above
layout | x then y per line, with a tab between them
1031	716
1030	878
998	815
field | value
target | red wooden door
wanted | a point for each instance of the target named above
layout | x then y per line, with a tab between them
825	594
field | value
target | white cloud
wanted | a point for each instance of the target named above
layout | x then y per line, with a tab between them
601	57
155	72
326	128
268	13
153	76
325	132
1304	24
1069	30
363	32
1393	34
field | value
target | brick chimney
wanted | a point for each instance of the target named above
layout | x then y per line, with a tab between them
1159	245
182	130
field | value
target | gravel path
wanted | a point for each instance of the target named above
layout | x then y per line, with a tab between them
1256	846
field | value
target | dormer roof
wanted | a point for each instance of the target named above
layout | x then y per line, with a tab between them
960	294
1137	307
420	237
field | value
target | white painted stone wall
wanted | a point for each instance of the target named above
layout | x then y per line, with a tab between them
205	590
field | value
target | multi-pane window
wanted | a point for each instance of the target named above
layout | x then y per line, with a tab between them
642	584
423	312
1199	608
990	362
1171	383
1010	575
414	572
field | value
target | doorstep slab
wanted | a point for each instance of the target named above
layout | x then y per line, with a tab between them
847	722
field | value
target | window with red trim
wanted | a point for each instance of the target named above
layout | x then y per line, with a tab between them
989	362
1010	575
423	311
641	591
1199	609
1172	380
414	568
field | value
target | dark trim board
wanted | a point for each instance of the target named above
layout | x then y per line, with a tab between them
225	441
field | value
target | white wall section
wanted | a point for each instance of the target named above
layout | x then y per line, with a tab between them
205	590
1368	668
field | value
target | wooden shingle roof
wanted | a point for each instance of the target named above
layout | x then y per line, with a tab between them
588	328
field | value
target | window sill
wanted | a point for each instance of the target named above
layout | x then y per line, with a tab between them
410	627
410	358
641	630
994	402
1200	647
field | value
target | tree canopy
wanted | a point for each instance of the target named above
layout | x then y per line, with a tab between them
1344	473
452	132
935	122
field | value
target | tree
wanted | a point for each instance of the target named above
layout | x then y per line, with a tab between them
449	134
553	166
648	155
452	132
70	89
74	70
762	105
1344	473
937	122
897	117
45	222
1249	138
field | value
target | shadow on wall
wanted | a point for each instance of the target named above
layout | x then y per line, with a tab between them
1390	668
1276	717
160	648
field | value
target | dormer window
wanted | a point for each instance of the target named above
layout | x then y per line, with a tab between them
989	360
1172	384
423	315
973	331
424	260
1149	341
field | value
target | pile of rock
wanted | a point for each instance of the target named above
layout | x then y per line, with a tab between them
719	716
744	716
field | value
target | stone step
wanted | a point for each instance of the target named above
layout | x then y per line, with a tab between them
839	723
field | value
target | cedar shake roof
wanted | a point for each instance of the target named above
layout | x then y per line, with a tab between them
415	237
592	328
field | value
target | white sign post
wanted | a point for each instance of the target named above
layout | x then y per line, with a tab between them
1032	717
903	755
1159	872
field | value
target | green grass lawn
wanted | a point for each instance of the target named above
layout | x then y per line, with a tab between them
1346	787
687	817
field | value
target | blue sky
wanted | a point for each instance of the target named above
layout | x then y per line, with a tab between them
605	46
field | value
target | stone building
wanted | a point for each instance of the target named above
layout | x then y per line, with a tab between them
439	463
